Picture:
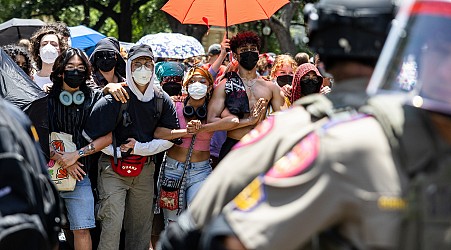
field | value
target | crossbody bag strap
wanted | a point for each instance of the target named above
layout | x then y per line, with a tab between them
188	160
182	181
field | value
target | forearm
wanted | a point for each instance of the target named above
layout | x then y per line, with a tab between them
225	123
217	63
169	134
97	145
150	148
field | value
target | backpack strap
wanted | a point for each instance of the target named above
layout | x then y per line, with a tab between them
158	101
120	117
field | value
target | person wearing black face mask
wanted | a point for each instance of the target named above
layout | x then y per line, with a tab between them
282	75
70	102
243	95
170	75
307	80
109	68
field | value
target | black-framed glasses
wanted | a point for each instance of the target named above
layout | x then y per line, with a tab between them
71	67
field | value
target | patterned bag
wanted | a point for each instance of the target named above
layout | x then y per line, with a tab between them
172	191
61	142
169	194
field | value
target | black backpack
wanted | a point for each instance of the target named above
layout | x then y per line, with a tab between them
30	209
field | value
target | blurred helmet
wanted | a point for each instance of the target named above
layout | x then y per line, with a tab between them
416	59
349	29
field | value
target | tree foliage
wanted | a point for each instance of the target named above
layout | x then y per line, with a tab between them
129	20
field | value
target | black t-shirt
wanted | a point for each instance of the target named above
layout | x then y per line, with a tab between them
142	116
72	119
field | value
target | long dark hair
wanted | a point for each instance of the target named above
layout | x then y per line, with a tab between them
59	66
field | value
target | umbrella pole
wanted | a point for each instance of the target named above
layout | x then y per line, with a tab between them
225	17
18	32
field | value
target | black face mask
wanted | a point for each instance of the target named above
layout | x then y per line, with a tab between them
24	69
172	88
248	59
106	65
283	80
310	86
74	78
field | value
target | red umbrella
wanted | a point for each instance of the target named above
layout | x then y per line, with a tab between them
222	12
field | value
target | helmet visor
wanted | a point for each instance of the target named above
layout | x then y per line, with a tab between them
417	57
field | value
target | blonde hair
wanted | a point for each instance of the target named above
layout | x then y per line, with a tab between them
280	61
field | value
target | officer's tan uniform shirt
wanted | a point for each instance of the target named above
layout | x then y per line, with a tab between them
345	174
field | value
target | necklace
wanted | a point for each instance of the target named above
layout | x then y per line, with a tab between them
250	83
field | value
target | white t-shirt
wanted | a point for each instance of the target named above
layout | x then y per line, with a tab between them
40	80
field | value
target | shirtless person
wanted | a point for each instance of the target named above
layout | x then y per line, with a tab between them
240	100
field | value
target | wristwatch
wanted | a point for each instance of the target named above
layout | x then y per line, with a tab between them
81	153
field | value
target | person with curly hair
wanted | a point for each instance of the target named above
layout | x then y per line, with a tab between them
241	98
46	44
62	29
20	56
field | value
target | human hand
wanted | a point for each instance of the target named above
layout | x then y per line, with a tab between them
193	126
68	159
76	171
129	145
225	45
258	111
325	90
46	87
118	92
178	98
286	90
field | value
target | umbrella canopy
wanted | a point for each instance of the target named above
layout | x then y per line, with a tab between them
84	38
15	29
222	12
173	45
20	90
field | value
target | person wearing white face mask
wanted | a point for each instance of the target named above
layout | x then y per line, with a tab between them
192	114
126	198
46	45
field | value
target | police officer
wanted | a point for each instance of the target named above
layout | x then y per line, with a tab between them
352	178
350	54
30	207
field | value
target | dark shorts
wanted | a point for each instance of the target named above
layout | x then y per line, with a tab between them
226	147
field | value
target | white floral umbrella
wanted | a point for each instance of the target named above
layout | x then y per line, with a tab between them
173	45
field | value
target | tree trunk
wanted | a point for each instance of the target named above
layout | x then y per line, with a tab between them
281	27
125	21
86	11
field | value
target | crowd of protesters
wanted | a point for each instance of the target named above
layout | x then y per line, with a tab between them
129	108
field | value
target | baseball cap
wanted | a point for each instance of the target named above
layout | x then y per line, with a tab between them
140	50
214	49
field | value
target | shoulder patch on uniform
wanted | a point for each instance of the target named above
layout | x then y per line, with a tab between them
251	196
298	159
257	133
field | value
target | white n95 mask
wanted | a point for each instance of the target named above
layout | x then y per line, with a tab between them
197	90
142	75
48	53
